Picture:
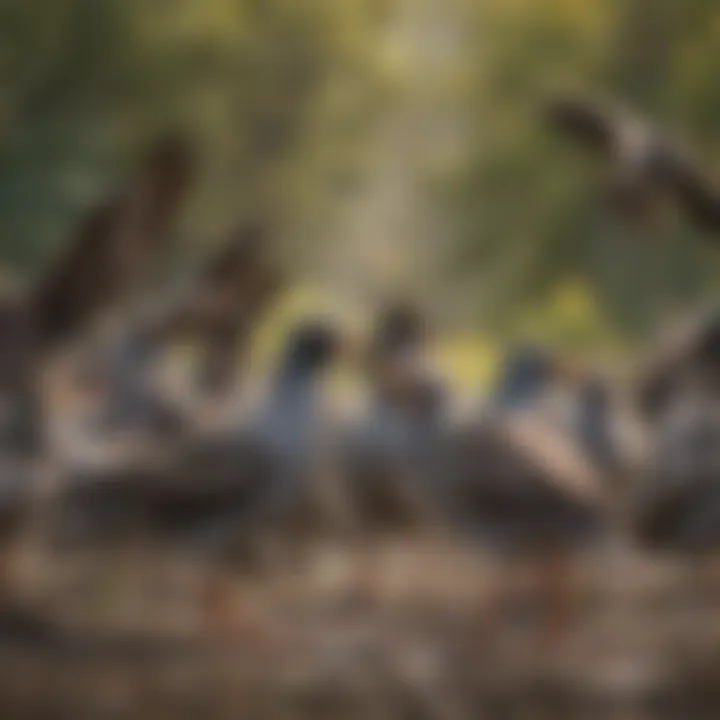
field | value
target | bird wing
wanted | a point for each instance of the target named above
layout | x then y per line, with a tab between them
668	166
561	462
111	246
696	191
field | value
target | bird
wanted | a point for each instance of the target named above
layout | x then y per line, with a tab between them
225	487
649	167
526	459
122	372
292	432
675	507
136	436
234	290
391	497
521	480
248	496
678	498
216	309
407	403
106	254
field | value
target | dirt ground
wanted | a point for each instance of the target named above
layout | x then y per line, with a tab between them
418	628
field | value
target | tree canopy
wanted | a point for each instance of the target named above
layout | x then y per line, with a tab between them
409	130
531	216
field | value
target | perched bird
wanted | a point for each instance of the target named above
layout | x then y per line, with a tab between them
385	458
520	474
648	166
123	372
675	507
112	247
225	490
521	480
217	310
232	293
678	501
526	375
390	493
250	493
284	451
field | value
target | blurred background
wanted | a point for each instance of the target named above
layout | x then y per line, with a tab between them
396	150
397	142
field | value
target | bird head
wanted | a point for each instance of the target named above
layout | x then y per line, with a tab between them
313	346
399	326
525	373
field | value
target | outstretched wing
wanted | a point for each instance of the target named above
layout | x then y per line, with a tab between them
643	152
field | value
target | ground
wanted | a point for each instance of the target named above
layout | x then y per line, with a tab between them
432	636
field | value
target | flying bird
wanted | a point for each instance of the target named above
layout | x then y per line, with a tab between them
648	166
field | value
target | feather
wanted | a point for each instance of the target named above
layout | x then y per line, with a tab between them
112	246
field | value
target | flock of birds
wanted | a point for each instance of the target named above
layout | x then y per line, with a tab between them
538	468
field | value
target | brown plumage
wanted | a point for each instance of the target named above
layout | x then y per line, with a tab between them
648	165
240	285
99	264
216	309
521	483
221	305
388	488
112	245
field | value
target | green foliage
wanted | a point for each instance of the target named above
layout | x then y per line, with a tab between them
529	212
273	92
300	107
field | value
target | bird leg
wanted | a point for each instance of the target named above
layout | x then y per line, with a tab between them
18	622
225	616
560	599
216	604
368	572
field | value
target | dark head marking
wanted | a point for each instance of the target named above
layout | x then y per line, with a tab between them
525	372
312	346
399	325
